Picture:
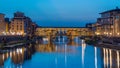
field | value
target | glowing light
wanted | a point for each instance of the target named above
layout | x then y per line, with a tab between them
14	52
107	58
118	33
13	33
7	55
4	33
104	32
118	64
20	50
104	52
18	33
10	54
65	56
45	39
110	33
110	51
17	50
83	52
95	57
3	56
97	33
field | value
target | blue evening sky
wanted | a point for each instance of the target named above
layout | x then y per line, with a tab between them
58	12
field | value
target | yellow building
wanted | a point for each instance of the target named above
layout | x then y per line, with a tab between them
20	24
3	25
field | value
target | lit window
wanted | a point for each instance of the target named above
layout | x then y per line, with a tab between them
21	27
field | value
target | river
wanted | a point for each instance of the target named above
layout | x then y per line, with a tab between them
44	55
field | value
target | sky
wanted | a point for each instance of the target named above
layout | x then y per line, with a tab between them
59	12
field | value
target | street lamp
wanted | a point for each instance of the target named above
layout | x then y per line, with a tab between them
104	33
97	33
118	34
110	34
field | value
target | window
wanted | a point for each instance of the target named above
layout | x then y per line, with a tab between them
0	20
117	17
12	28
20	27
17	27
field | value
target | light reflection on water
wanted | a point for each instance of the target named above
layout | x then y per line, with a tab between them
118	60
60	56
83	52
96	57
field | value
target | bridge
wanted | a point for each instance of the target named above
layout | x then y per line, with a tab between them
70	32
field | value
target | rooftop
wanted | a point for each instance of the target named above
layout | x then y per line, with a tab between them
2	14
117	9
58	27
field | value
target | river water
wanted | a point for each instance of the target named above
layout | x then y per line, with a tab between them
44	55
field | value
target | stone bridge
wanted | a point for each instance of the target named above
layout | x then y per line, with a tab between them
70	32
46	31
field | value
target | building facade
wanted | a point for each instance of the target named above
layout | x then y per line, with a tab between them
4	22
21	25
108	23
92	27
117	25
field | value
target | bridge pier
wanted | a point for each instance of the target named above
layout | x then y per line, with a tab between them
49	39
71	38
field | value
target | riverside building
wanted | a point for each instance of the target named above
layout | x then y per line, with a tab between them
21	24
109	23
4	22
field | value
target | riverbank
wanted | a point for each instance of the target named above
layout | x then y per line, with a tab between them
91	40
102	42
110	46
17	43
7	48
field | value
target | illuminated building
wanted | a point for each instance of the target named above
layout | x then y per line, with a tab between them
3	24
108	24
21	25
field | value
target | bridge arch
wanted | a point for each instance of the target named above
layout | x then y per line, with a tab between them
52	32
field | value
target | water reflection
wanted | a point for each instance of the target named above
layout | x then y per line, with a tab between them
111	58
60	56
15	57
118	60
83	52
95	57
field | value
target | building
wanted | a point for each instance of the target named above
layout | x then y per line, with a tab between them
4	22
98	29
92	27
117	25
108	23
33	28
21	24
